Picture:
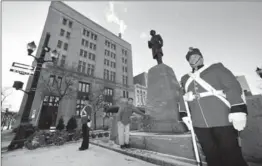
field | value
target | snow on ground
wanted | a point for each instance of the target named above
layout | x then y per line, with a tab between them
68	155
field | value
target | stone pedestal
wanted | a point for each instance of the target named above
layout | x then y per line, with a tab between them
162	101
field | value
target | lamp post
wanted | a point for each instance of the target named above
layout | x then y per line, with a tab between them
31	47
24	126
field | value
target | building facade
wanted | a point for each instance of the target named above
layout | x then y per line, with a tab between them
140	83
100	57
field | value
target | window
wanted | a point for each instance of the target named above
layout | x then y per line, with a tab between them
63	59
107	63
91	45
83	87
114	56
94	47
81	52
84	67
105	52
125	81
68	35
125	69
90	69
64	21
125	52
106	74
51	80
80	65
93	36
62	32
93	57
85	54
86	44
123	60
108	92
114	65
80	103
59	44
84	32
104	61
70	24
125	94
59	81
112	76
83	42
65	46
87	33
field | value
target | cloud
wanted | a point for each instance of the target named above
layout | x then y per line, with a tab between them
112	17
144	35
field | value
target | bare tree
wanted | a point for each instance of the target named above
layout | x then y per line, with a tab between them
60	82
5	92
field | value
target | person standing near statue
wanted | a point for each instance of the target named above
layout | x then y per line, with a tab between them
156	44
123	122
218	110
86	124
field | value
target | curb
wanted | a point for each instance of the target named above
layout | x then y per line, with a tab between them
162	160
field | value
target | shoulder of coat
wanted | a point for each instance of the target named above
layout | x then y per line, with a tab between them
184	78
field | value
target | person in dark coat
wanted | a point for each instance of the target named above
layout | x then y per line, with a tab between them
156	44
86	123
218	110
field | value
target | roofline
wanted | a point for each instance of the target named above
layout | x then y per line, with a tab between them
64	4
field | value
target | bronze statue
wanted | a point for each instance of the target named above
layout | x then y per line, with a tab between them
156	44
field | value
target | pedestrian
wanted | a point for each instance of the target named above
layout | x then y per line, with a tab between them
86	124
217	108
123	122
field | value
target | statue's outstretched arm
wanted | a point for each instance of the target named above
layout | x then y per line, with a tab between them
149	44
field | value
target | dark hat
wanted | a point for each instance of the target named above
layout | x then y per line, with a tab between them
193	51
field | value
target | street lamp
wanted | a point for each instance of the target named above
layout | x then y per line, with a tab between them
25	120
31	47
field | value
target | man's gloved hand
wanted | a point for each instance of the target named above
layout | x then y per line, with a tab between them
89	124
189	96
239	120
187	121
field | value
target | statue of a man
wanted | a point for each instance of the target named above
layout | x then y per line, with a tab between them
156	44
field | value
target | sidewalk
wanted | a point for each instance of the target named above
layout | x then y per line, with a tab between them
148	156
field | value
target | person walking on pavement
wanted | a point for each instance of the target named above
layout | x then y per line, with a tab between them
217	107
123	122
86	123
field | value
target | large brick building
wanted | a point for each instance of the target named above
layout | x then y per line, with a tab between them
101	58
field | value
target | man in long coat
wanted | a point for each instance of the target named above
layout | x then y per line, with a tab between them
156	44
218	111
86	123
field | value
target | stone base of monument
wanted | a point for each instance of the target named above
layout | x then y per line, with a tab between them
177	145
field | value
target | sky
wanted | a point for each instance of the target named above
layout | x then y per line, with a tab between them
227	32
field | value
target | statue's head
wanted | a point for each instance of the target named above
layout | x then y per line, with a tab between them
152	32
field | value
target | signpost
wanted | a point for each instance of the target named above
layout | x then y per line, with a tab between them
24	68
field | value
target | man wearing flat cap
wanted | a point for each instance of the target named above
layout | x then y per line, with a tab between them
218	110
